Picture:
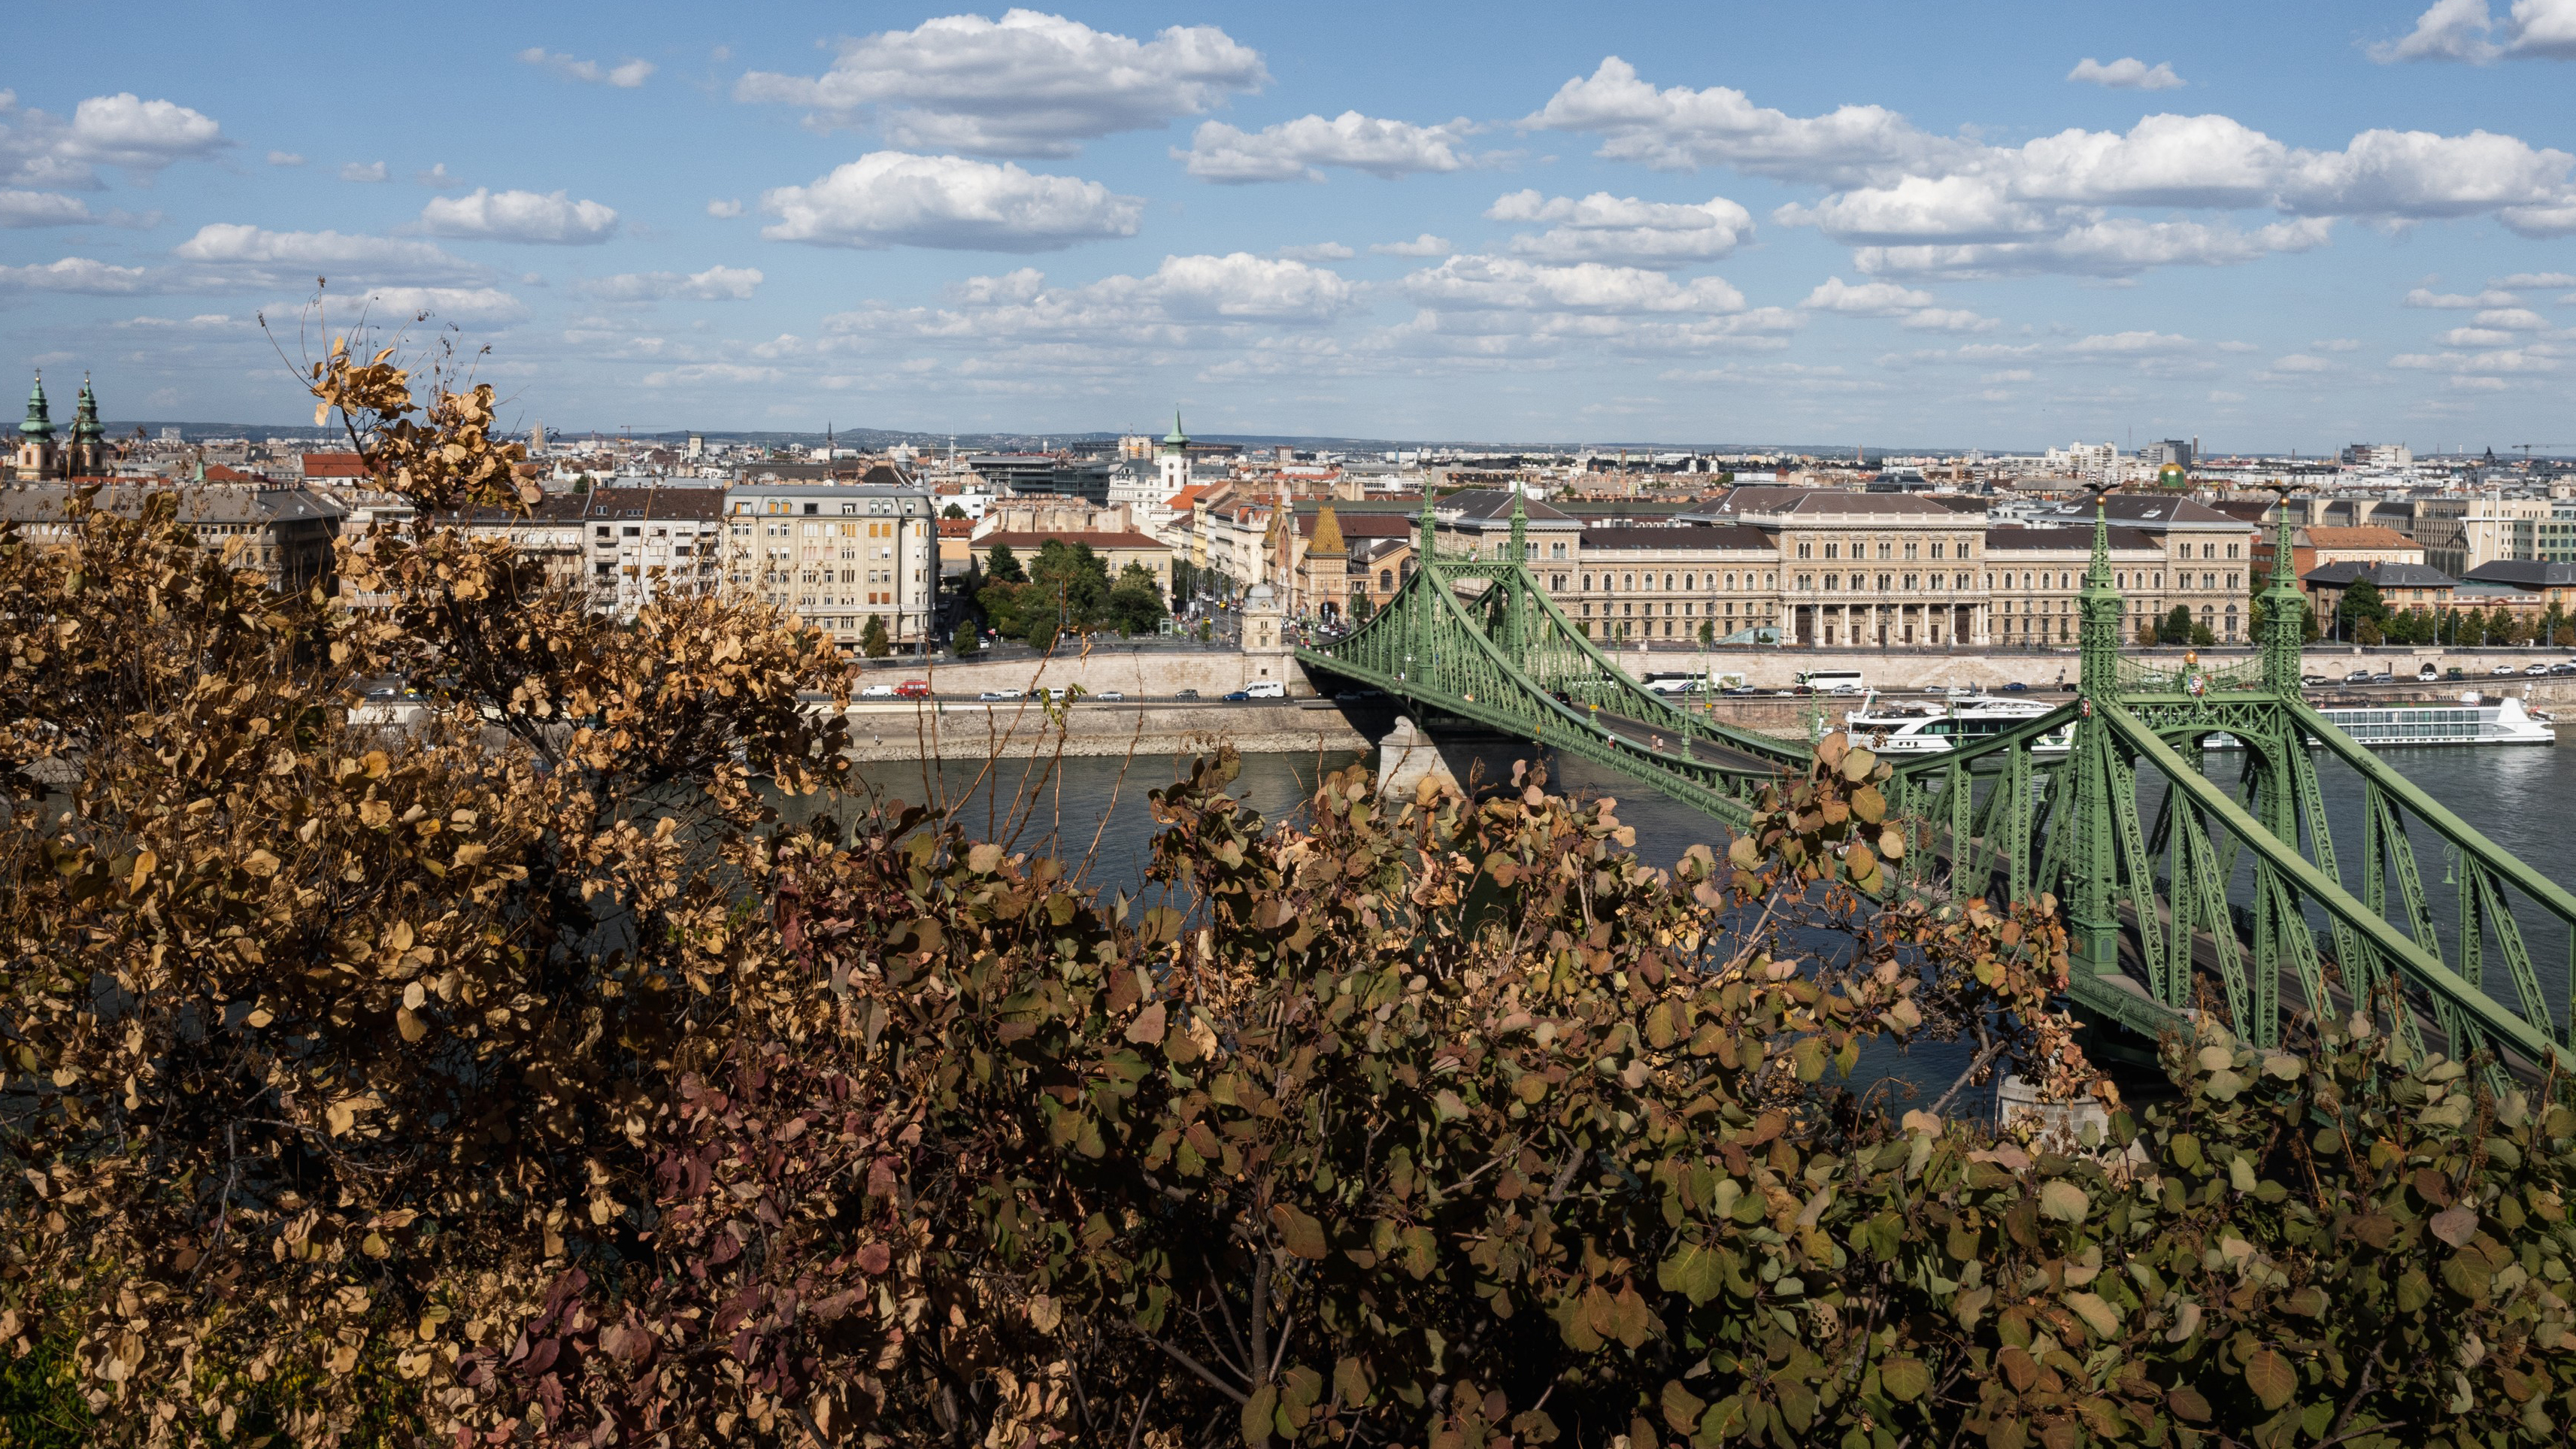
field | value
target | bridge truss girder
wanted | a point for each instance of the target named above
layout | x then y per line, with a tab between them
2233	902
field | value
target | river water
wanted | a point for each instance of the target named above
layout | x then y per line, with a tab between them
1098	807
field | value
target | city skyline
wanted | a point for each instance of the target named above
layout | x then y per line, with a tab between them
2293	229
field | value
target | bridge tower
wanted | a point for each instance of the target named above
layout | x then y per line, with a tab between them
2092	914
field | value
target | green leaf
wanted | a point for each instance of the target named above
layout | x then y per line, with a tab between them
2064	1201
1809	1058
2414	1290
2097	1313
2455	1224
1301	1235
1904	1379
2187	1403
1257	1416
2270	1377
1682	1408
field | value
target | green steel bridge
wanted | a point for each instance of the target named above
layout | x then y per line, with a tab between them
2179	894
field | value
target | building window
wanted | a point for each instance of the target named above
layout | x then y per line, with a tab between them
1936	548
1628	582
1802	549
1885	549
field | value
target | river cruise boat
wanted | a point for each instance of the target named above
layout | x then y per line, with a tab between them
2472	720
1939	726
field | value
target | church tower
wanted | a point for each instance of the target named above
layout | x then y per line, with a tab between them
88	455
36	436
1173	458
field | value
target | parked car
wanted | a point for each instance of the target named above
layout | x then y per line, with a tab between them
999	694
1187	694
877	691
2383	677
2312	681
2016	687
2358	676
913	689
1265	689
1238	696
1112	696
2502	669
2455	672
1739	690
1057	692
2562	668
2426	673
2535	669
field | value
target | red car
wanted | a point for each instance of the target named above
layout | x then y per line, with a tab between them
913	689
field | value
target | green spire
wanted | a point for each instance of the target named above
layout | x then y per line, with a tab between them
1520	527
1422	550
2102	609
85	424
1176	438
39	423
2285	611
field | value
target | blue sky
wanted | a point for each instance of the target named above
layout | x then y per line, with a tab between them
1991	225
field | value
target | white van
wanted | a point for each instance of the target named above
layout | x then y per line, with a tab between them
1266	689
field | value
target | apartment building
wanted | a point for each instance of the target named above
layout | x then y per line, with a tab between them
837	555
649	543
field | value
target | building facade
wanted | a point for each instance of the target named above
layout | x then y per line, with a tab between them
837	556
647	543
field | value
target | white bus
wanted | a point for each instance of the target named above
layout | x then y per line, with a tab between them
1833	681
1687	684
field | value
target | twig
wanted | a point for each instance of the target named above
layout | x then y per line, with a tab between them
1200	1369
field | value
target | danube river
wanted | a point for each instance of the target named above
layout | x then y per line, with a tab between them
1097	807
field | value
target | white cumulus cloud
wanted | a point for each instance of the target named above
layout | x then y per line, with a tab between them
454	304
1187	301
1489	283
2128	73
285	158
552	218
2460	301
1623	230
1299	150
122	130
1680	129
625	75
1870	299
76	274
724	207
1318	252
363	171
41	208
2467	30
1029	84
1949	205
891	198
256	256
1425	245
715	284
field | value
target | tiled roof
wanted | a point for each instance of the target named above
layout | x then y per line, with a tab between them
2381	575
1098	540
2367	536
2148	510
2069	536
1710	537
334	465
1480	505
2524	573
